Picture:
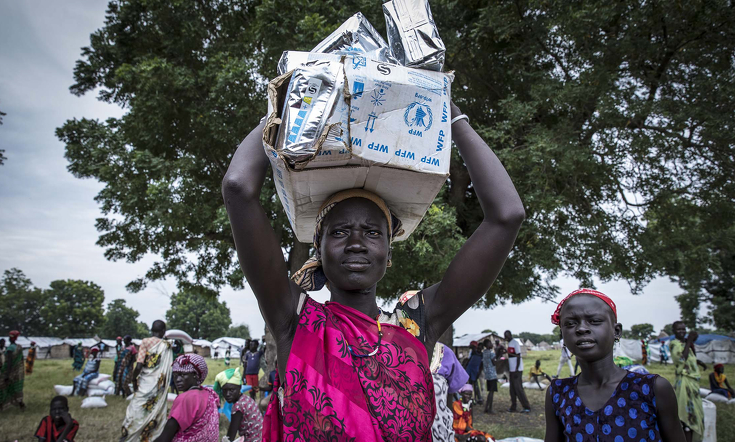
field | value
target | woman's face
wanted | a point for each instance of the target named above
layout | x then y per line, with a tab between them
231	392
355	246
185	380
680	331
466	396
588	327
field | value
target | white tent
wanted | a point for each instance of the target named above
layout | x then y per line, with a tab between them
43	345
717	351
220	346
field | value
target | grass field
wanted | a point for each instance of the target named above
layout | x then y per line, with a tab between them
103	424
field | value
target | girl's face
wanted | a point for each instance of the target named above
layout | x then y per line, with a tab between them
588	327
680	331
355	245
231	392
184	381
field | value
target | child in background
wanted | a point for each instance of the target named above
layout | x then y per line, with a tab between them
604	402
58	426
537	373
718	382
246	419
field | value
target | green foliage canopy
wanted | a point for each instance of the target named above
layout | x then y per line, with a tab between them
239	331
199	313
121	320
20	305
73	308
639	331
614	120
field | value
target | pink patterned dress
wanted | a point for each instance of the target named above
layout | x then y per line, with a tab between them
196	412
332	395
251	426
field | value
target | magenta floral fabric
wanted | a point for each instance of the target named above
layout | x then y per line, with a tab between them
330	395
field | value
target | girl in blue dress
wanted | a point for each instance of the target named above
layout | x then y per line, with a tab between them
604	402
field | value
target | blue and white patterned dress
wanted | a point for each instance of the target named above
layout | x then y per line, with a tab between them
628	416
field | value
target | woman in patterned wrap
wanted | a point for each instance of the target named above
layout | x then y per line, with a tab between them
12	374
194	416
348	370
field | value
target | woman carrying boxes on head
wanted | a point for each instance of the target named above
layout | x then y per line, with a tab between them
357	370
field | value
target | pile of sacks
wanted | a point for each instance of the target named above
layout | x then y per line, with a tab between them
102	385
357	112
714	397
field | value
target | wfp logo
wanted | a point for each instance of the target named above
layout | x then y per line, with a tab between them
418	116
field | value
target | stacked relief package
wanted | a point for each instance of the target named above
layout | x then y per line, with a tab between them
354	118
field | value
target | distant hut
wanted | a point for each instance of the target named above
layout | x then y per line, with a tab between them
462	344
543	345
202	347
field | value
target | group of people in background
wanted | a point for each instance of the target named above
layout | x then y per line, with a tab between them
617	402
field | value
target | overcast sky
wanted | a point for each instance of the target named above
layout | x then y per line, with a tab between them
47	216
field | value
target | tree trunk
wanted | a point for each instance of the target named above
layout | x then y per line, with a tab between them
297	256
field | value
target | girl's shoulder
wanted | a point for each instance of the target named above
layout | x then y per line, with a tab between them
562	385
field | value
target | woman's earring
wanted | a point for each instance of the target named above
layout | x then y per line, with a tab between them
390	263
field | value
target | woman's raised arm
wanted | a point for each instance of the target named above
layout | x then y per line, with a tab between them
258	247
478	262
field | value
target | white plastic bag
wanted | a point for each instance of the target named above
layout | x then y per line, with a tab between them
63	390
703	392
106	385
714	397
178	334
171	397
94	402
710	421
100	378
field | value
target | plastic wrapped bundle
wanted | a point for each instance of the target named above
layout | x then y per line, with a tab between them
312	93
355	36
412	34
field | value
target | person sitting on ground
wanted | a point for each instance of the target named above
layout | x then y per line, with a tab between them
536	373
353	233
245	419
78	361
58	426
194	416
91	371
252	366
491	375
462	423
718	382
31	358
604	402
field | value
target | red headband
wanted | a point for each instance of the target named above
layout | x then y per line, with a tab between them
555	318
14	334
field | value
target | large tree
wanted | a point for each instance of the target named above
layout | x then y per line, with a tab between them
73	308
120	320
20	305
198	312
614	120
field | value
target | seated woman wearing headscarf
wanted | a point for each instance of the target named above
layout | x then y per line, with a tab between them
194	416
346	368
91	371
245	419
462	423
718	382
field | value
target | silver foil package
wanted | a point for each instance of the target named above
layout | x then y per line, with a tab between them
311	95
412	34
357	35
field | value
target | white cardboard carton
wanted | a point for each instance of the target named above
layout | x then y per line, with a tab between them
396	144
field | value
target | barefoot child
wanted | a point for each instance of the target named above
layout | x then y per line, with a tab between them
58	426
604	402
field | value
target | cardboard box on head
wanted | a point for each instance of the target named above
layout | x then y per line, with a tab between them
388	131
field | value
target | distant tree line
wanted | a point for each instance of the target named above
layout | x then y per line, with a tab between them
74	308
